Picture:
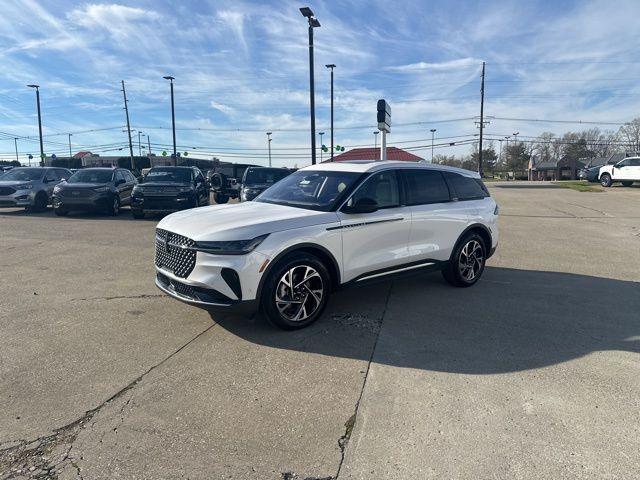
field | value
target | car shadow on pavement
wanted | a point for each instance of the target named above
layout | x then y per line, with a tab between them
512	320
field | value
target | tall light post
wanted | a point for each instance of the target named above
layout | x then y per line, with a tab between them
515	136
433	136
313	23
269	145
37	87
15	140
321	145
173	120
139	144
70	154
375	139
331	66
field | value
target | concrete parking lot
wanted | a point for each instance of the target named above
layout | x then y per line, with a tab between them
534	373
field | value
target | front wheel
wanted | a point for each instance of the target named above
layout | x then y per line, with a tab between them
627	183
221	198
296	292
605	180
114	207
60	211
467	262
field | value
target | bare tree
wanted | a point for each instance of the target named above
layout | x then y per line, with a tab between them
629	134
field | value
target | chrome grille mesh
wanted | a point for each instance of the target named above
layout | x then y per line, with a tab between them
171	254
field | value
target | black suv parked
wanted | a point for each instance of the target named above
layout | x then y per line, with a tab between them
257	179
103	189
168	189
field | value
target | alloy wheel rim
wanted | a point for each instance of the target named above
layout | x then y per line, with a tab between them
299	293
471	260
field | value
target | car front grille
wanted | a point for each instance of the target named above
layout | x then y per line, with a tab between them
159	191
7	191
174	253
77	192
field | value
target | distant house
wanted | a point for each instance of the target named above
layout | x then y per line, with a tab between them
564	169
393	153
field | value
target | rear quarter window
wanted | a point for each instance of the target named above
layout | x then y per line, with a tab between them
465	188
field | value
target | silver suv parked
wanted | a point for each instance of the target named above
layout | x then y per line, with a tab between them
30	187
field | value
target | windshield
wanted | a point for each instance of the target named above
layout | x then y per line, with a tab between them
314	190
170	175
23	174
91	176
257	176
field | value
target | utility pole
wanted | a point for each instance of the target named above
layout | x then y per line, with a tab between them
321	145
313	23
269	146
331	66
15	140
480	170
126	110
139	144
173	120
433	134
37	87
70	154
149	145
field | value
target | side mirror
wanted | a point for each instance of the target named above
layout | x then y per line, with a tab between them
362	205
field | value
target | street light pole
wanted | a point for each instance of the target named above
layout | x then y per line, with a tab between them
15	140
321	145
139	144
331	66
313	23
433	135
149	145
37	87
70	154
269	145
375	139
173	120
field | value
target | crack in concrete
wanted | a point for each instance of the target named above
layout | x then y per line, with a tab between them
34	458
120	297
351	422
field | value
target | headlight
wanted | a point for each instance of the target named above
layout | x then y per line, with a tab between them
25	186
233	247
101	189
56	189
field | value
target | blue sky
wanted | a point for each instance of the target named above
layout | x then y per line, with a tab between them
241	70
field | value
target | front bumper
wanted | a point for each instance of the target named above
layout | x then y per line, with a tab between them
21	198
96	200
162	204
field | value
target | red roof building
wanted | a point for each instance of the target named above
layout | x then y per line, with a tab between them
393	153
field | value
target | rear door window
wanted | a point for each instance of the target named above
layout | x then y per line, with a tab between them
425	186
465	188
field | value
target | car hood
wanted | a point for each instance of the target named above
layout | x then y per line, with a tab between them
13	183
241	221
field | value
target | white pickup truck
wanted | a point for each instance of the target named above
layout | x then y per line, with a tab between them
625	171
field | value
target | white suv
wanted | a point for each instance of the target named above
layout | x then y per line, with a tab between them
625	171
323	227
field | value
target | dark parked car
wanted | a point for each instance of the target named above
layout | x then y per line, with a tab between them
257	179
169	189
590	173
105	189
30	187
225	181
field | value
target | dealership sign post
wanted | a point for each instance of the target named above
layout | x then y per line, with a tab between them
384	125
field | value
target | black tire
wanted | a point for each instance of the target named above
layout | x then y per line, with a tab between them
220	198
605	180
308	300
61	212
627	183
39	203
458	271
137	214
114	206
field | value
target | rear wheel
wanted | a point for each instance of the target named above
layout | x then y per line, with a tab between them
296	291
605	180
39	203
627	183
467	262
